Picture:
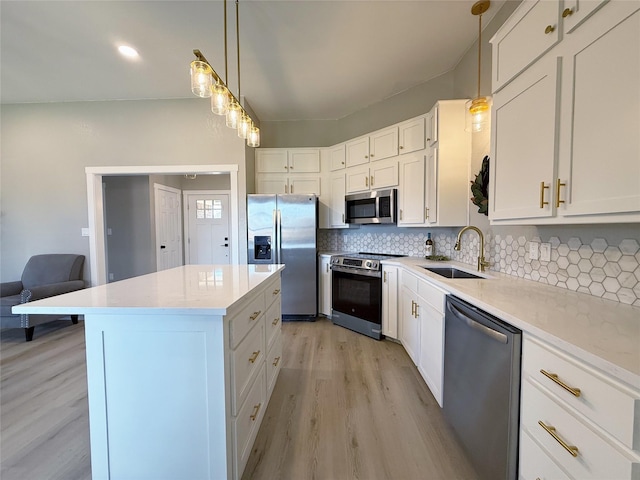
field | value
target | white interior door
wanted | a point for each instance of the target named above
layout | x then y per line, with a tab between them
207	225
168	227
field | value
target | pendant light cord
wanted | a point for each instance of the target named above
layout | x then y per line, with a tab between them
238	46
479	50
226	70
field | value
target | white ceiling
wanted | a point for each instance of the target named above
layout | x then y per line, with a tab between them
300	59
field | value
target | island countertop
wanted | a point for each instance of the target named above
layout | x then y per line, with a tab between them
190	289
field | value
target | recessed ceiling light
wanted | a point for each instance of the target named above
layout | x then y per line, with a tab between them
128	51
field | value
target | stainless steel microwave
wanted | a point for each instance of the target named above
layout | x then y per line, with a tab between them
377	206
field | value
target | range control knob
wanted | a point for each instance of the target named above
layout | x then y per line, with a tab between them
367	264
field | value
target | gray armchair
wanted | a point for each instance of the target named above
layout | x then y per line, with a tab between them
43	276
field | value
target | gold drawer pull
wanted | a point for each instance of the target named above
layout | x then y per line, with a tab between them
413	308
567	12
254	357
255	315
256	409
549	29
554	377
276	291
542	188
276	361
275	321
572	449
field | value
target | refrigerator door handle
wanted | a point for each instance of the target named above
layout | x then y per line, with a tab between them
278	236
274	224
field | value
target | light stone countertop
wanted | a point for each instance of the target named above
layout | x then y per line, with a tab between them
190	289
601	332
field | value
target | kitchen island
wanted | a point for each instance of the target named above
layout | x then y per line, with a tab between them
180	368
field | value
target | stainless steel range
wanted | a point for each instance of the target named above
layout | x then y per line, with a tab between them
357	292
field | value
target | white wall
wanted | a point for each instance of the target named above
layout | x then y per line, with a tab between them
45	148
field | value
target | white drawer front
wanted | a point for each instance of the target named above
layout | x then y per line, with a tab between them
595	459
247	423
272	292
272	322
274	363
246	319
614	407
534	462
433	295
409	281
245	361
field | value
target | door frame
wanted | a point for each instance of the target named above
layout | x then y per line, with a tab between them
185	220
95	205
178	192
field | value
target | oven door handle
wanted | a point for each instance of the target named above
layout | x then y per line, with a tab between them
356	271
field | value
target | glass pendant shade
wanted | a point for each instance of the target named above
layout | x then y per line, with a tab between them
219	99
244	126
201	79
253	139
233	115
478	114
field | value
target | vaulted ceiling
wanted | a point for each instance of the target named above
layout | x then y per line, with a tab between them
299	59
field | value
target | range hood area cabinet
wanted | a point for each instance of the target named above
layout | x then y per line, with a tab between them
566	114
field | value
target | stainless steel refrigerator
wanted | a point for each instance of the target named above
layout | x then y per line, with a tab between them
282	229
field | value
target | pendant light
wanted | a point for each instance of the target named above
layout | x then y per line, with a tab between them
205	82
479	108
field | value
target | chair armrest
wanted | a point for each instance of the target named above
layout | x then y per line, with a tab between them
10	288
50	290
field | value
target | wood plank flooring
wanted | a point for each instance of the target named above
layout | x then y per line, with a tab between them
344	407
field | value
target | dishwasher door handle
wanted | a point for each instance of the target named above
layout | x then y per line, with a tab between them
488	331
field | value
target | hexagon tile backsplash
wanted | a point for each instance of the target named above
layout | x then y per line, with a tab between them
598	268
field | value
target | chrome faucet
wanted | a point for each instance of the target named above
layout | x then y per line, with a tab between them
481	261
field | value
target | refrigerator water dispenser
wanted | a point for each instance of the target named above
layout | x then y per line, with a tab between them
262	247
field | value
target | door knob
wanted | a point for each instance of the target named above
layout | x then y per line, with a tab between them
225	245
163	246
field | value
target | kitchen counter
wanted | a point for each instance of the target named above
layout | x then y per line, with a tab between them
602	332
190	289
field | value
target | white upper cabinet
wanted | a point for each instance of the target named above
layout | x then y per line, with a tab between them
574	12
411	136
378	175
411	209
337	157
383	144
357	151
565	131
525	36
272	160
304	160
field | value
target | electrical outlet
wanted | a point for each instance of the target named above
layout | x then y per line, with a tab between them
533	250
84	232
111	276
545	252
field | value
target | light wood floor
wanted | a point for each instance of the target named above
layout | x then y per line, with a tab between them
344	407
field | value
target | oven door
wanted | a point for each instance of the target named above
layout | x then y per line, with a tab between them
357	293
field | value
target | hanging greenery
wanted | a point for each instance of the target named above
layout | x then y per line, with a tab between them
480	188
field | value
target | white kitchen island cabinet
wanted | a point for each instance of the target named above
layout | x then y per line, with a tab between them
177	371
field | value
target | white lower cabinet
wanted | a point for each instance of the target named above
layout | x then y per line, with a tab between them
575	420
390	301
324	285
409	322
431	302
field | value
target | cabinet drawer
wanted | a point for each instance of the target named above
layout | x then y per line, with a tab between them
432	294
246	319
245	361
247	423
595	459
274	363
535	464
273	291
272	322
612	406
409	281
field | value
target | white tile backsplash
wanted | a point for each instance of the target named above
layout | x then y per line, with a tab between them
598	268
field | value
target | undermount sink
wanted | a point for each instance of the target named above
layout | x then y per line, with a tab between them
451	272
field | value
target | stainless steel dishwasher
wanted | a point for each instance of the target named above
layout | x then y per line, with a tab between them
481	397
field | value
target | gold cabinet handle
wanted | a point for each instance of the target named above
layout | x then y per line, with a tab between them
542	189
366	181
372	180
343	218
549	29
254	357
367	156
276	361
291	167
255	315
417	312
426	213
554	378
256	409
275	321
413	308
572	449
291	189
558	185
276	291
385	277
401	147
400	214
286	188
372	155
342	163
567	12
